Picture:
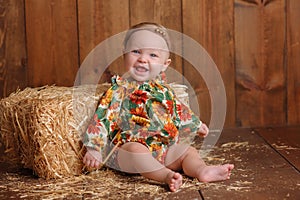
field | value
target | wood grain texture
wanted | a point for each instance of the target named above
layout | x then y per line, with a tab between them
259	173
211	25
259	57
293	61
52	42
13	72
285	140
99	20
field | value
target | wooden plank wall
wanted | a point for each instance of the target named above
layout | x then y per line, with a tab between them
260	78
293	62
211	24
13	67
52	42
254	43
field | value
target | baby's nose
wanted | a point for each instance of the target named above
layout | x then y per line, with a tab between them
142	58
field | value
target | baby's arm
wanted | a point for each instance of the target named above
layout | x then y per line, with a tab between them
95	137
203	130
92	158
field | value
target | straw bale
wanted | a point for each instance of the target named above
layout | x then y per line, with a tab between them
55	145
181	92
41	128
8	115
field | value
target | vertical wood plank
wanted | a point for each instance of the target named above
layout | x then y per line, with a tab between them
293	61
210	23
52	42
164	12
260	77
13	72
99	20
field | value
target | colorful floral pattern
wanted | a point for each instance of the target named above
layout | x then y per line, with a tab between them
148	113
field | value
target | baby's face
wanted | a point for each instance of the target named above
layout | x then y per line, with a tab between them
146	55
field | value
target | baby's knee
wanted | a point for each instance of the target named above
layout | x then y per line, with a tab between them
135	147
192	150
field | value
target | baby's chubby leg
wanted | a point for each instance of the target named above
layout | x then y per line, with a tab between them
188	159
134	157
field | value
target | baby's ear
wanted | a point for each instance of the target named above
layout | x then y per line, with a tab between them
166	64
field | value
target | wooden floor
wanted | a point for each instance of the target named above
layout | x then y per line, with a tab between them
266	163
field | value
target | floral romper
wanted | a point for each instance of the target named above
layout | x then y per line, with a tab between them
148	113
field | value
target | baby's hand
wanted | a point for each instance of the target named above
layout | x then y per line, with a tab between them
92	158
203	130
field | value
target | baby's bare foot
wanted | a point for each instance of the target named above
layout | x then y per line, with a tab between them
215	173
174	180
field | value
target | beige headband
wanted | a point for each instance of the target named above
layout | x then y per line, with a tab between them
162	32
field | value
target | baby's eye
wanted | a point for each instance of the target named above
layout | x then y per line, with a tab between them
153	55
135	51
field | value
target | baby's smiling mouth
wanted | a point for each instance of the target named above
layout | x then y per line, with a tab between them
141	69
